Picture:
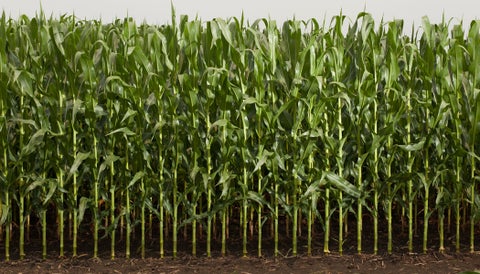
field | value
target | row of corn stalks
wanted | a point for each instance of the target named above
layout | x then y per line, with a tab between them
210	127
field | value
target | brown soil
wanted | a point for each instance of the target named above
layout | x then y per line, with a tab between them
429	263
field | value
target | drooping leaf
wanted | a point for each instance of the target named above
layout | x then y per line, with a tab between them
413	147
139	175
342	184
79	158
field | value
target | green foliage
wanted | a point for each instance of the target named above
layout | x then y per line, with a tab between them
196	123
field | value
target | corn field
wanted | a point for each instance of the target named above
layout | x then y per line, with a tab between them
321	134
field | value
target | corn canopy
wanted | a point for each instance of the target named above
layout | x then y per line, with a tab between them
219	126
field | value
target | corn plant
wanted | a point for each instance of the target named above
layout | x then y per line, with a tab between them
4	103
223	126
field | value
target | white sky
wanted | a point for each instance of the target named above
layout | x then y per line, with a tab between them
158	11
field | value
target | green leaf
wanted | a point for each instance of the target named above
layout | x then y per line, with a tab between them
116	78
35	141
140	58
107	162
128	114
33	185
77	108
82	206
219	123
224	181
5	210
24	79
257	198
139	175
52	187
126	131
27	122
312	189
224	29
79	158
262	159
413	147
342	184
251	100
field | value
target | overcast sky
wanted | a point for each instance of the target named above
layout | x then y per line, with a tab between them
158	11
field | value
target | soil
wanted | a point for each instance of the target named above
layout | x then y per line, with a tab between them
332	263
